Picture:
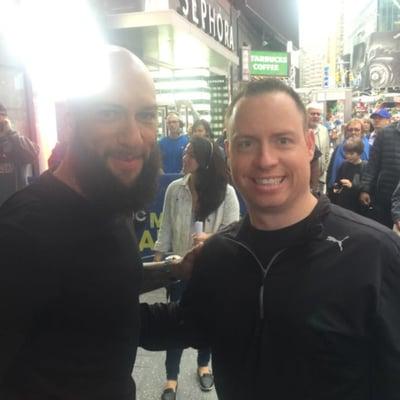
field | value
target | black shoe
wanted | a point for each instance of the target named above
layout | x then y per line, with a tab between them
168	394
206	382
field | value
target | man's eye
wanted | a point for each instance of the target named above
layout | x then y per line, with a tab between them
244	144
284	140
108	114
147	116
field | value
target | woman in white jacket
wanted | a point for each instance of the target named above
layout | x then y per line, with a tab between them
203	194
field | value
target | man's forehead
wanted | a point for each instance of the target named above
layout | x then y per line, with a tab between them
284	104
241	124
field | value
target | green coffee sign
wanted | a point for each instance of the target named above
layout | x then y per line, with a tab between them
271	63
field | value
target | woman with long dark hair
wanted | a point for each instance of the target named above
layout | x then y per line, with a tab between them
204	198
202	128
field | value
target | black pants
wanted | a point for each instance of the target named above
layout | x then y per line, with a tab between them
173	358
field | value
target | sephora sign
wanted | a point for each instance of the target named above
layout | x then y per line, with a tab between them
208	19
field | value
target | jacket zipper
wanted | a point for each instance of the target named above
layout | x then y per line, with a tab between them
264	271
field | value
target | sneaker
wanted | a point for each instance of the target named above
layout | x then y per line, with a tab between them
168	394
206	382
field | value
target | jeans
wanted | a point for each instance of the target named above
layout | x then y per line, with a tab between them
173	358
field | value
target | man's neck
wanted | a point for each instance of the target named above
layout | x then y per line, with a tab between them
64	173
279	219
174	135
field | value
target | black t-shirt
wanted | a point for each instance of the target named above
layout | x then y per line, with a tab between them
265	244
69	281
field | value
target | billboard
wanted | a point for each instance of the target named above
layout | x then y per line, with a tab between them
376	62
269	63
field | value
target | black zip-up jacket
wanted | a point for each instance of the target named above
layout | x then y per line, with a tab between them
382	173
320	320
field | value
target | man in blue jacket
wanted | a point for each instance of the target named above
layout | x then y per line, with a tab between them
301	299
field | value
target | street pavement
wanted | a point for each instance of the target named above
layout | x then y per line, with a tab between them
149	371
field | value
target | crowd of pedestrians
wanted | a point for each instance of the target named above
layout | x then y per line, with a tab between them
365	167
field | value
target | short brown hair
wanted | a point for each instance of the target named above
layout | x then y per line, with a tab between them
353	145
265	86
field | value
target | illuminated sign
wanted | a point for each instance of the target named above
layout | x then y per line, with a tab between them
209	19
272	63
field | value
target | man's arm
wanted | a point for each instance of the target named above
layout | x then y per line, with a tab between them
168	326
159	274
25	286
396	206
386	330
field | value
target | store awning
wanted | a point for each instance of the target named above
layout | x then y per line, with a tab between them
178	23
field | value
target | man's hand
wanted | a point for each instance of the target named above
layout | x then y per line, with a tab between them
365	199
346	183
200	237
182	268
397	223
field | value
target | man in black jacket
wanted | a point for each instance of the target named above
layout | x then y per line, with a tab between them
301	299
70	270
382	173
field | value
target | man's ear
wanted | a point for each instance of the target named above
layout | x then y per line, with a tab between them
227	149
66	122
310	142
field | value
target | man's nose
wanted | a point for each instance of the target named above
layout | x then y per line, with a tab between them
133	132
266	157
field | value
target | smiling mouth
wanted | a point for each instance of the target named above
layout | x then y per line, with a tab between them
269	181
126	162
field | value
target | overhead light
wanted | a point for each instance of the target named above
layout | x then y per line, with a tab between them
60	44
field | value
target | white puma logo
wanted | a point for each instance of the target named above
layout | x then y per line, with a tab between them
339	242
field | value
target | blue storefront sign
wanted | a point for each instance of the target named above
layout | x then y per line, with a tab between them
147	222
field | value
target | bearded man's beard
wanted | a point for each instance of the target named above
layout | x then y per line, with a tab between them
103	189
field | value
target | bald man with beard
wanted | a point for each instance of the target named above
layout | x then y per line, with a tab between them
70	271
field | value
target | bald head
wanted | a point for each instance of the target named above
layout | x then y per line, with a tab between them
123	73
124	64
